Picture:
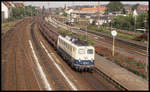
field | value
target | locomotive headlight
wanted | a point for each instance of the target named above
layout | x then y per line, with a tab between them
92	60
79	59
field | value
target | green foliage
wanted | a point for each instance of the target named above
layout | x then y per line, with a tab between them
114	7
126	36
86	39
135	6
95	28
43	10
57	11
121	22
127	22
64	14
63	31
17	12
9	19
140	23
124	11
21	12
92	27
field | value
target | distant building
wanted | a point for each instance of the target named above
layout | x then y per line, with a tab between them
37	8
93	10
96	9
102	19
142	8
88	11
6	9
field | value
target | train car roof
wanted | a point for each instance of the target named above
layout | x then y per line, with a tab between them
75	40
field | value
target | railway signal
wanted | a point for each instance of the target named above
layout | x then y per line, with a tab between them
114	33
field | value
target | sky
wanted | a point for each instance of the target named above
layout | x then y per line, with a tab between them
54	4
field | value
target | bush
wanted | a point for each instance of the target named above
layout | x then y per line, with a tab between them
9	19
142	37
128	62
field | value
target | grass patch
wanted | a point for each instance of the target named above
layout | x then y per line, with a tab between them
126	36
63	31
95	28
8	25
92	27
81	26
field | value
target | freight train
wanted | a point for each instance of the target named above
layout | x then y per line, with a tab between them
78	54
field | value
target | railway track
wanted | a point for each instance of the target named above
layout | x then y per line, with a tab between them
127	48
9	35
17	74
100	73
130	47
50	70
132	44
125	41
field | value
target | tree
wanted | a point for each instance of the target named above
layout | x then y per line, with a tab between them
64	14
141	18
18	12
28	10
123	11
123	22
114	7
135	6
43	10
57	10
127	22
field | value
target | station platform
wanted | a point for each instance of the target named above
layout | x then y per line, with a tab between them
124	77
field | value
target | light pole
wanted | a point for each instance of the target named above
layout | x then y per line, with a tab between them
114	33
147	61
86	33
134	14
135	24
31	10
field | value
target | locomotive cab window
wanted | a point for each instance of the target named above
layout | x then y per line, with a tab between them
81	51
90	51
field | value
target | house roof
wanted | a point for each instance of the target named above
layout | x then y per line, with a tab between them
8	4
38	8
12	4
142	7
94	9
127	7
19	4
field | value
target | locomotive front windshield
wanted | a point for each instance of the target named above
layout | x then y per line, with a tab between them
81	51
90	51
